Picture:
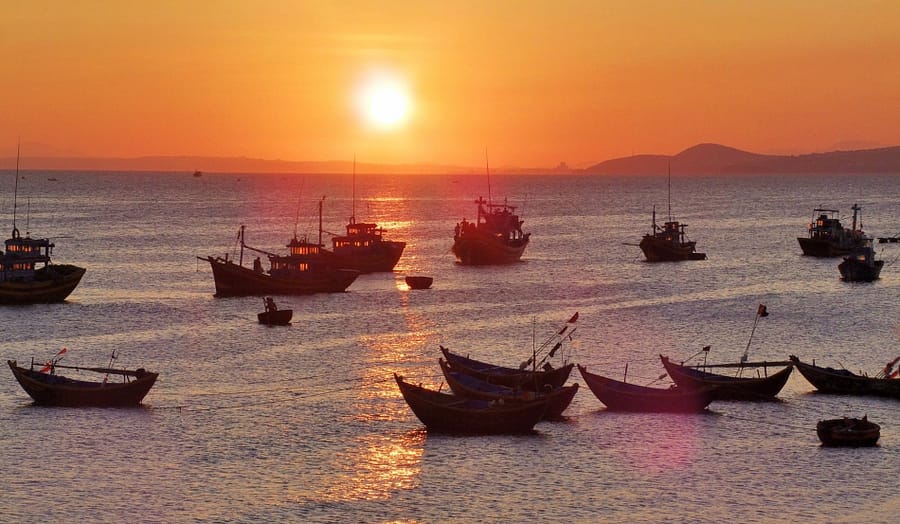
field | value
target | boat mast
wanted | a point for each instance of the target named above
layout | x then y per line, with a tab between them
353	206
487	168
320	220
241	233
16	191
670	191
855	209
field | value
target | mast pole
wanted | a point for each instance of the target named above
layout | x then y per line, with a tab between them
320	219
487	168
353	208
16	191
670	192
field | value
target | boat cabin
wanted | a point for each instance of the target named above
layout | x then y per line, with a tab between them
18	262
359	235
499	219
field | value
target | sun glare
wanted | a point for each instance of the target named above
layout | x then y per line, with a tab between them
383	101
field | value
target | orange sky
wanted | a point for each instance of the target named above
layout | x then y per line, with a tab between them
534	82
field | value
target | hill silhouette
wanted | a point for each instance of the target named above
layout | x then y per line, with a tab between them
708	159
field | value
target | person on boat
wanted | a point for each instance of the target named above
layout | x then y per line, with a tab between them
270	305
257	265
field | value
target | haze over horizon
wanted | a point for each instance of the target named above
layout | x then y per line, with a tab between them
400	82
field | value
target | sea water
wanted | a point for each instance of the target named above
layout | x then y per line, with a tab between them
249	423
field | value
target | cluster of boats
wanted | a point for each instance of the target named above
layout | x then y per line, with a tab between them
491	398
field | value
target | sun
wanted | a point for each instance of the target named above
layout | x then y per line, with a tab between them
383	100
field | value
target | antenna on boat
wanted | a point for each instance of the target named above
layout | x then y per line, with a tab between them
16	191
353	206
487	167
670	191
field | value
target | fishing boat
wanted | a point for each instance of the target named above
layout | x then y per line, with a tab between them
535	374
198	174
472	387
306	269
273	316
860	265
27	275
363	247
737	387
443	412
418	282
50	389
848	432
508	376
622	396
844	382
496	236
668	243
827	237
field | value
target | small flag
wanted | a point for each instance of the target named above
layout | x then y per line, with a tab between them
761	311
573	319
46	367
556	347
62	351
706	348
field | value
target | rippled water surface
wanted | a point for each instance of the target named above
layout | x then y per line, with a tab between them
304	423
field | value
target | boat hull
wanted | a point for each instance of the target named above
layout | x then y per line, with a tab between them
815	247
445	413
725	387
843	382
55	390
511	377
621	396
379	257
477	248
53	283
472	387
280	317
656	250
234	280
419	282
848	432
853	270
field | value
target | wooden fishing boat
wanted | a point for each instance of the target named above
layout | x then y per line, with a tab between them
472	387
534	380
273	316
27	275
419	282
495	237
50	389
454	414
844	382
860	265
306	269
827	237
726	387
621	396
848	432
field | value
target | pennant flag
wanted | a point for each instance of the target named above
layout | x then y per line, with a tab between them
573	319
761	311
706	348
563	330
553	351
62	351
46	367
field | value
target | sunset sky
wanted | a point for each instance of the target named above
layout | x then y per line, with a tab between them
420	81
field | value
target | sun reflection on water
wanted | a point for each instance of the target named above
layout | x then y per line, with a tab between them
375	467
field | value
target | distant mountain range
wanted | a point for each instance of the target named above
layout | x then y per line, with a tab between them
701	159
704	159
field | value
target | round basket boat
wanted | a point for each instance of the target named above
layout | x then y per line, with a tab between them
419	282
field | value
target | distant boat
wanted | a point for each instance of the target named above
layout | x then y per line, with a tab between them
860	265
27	275
273	316
667	243
453	414
848	432
364	248
496	236
621	396
198	173
827	236
306	269
844	382
49	389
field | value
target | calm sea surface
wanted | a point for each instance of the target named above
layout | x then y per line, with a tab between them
304	423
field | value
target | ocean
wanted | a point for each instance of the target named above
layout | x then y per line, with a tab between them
304	423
